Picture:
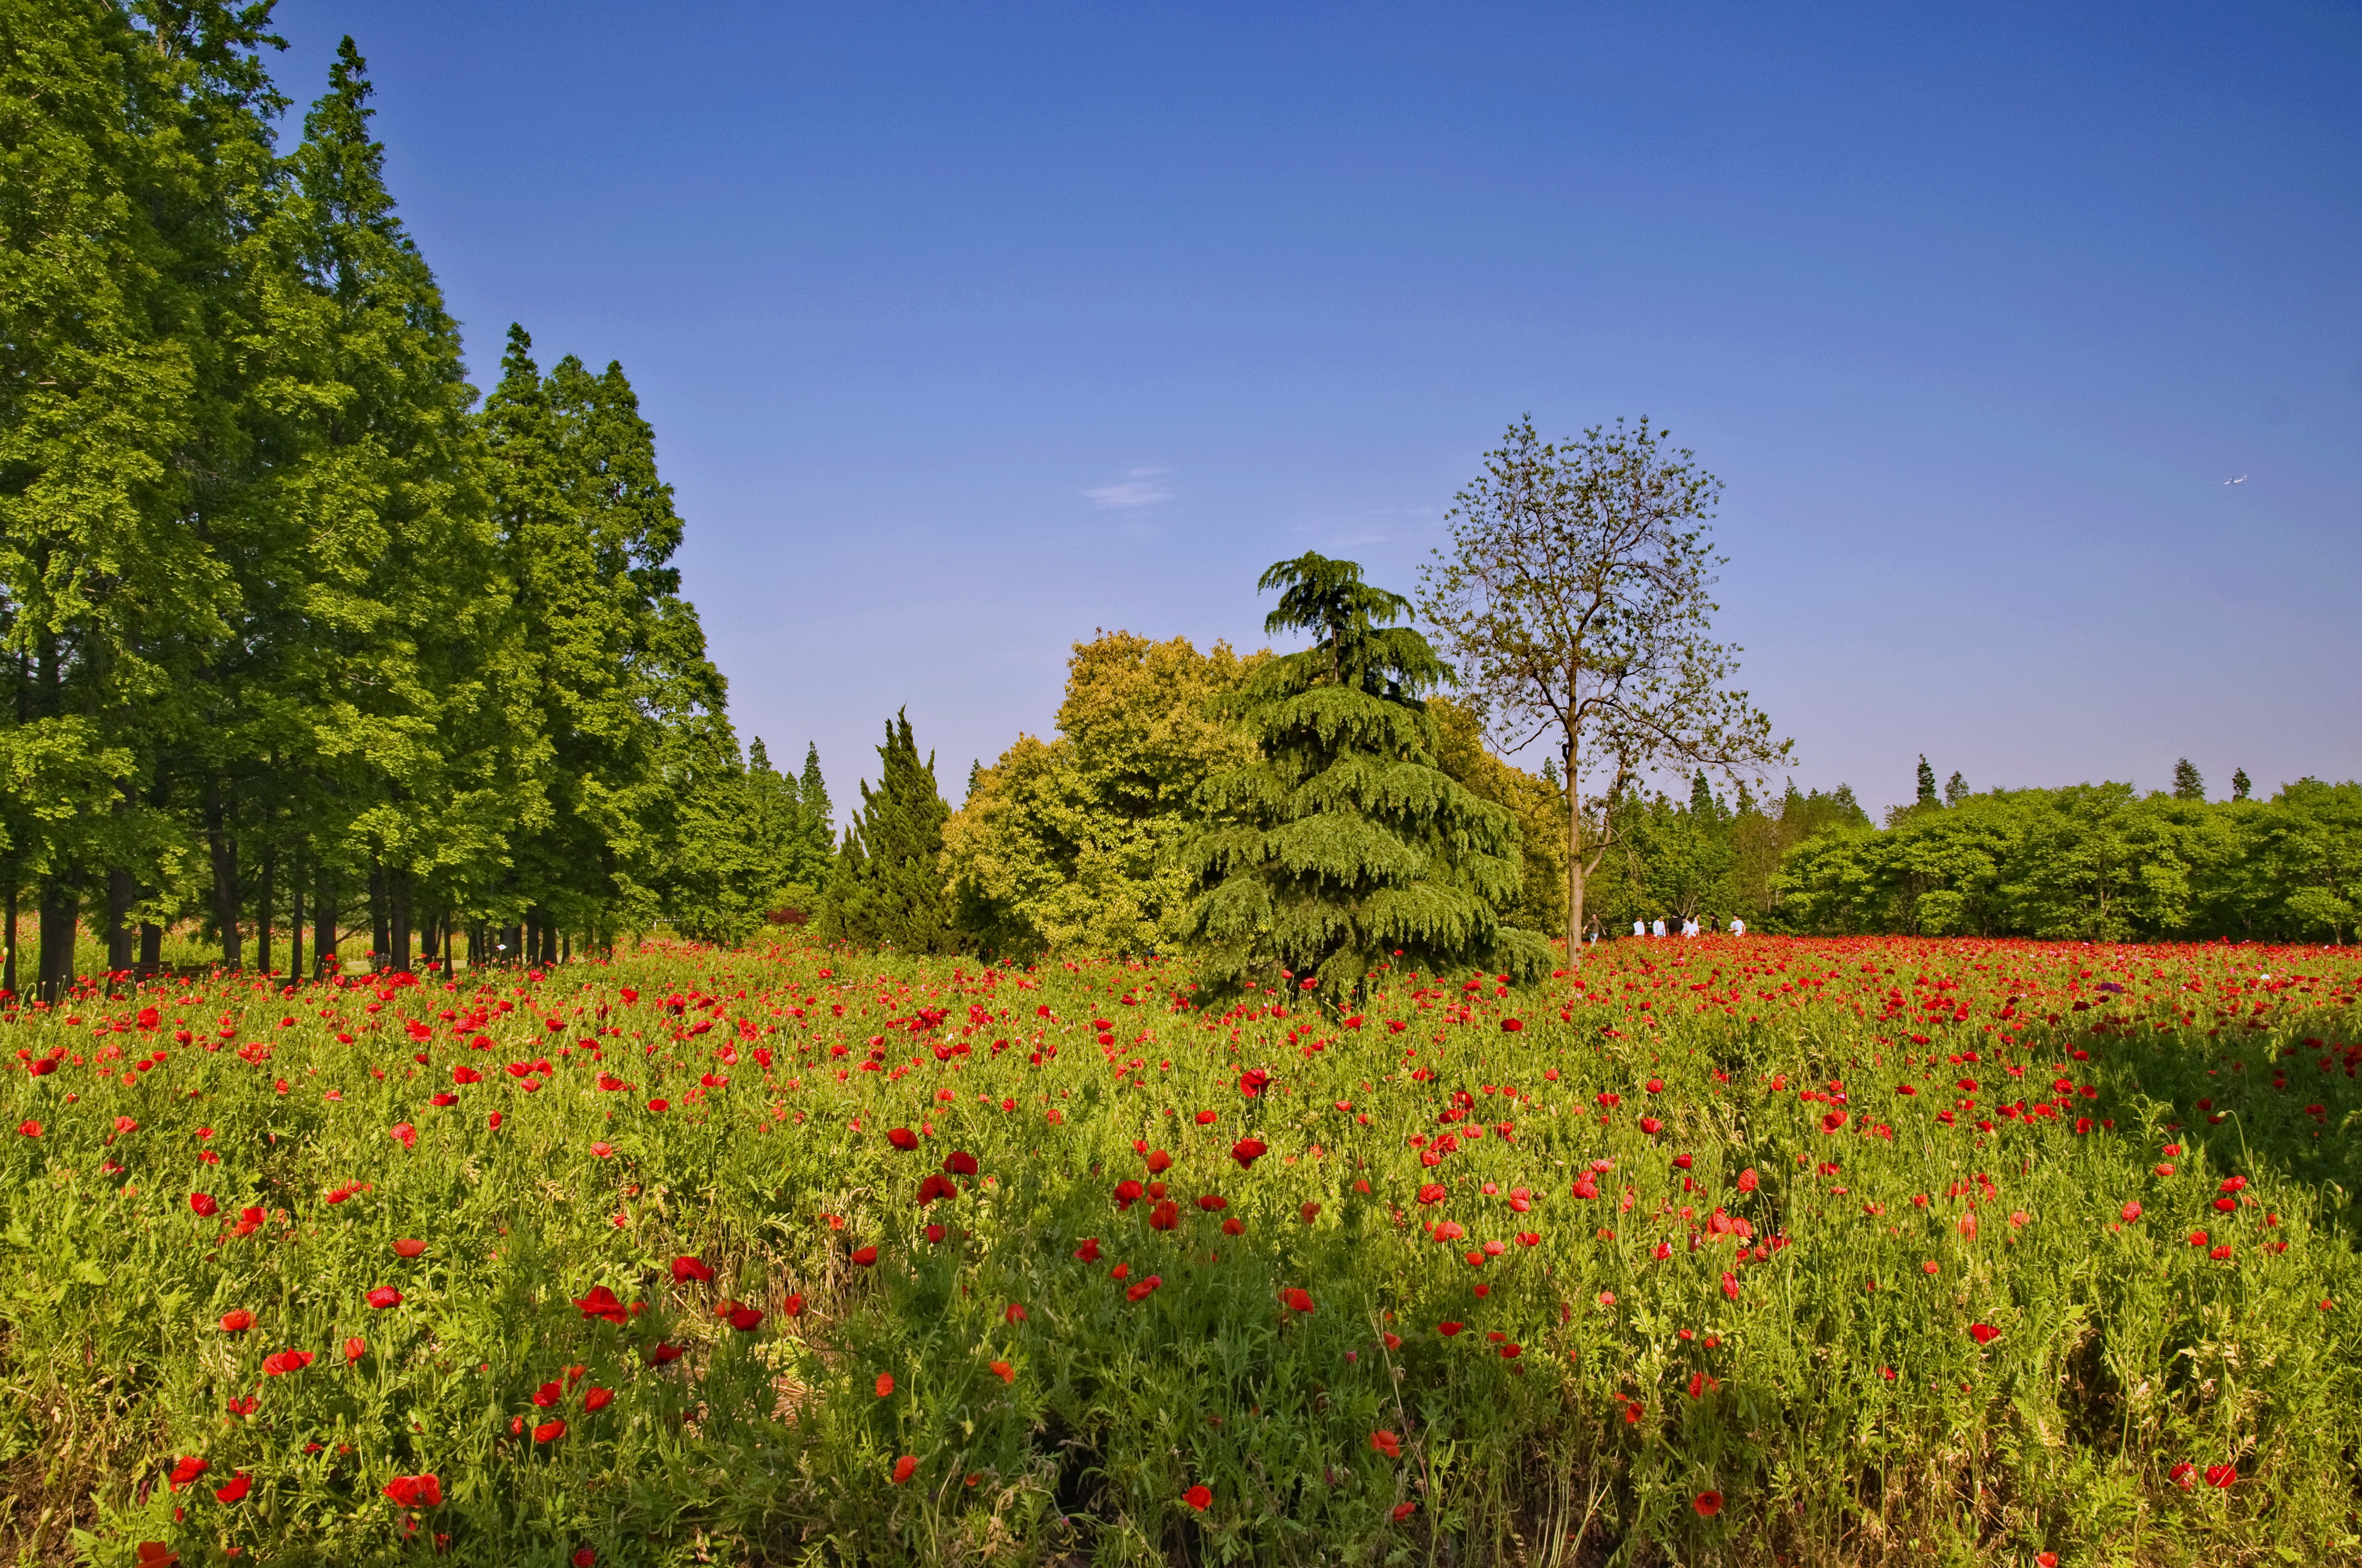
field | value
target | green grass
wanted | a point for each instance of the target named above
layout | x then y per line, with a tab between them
1829	1387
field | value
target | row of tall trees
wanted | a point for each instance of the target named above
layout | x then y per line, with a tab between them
298	635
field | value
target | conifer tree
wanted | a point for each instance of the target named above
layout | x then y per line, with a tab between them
1344	844
1926	795
2187	785
1956	787
808	865
887	887
2239	784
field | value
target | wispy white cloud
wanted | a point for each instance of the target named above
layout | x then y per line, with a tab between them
1140	487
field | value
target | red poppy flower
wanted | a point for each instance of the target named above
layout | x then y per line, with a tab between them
1434	1192
383	1297
936	1185
1089	1251
549	1431
664	1354
355	1348
584	1558
279	1364
1198	1498
1164	1216
237	1322
2131	1212
1250	1083
1707	1504
1004	1371
1213	1203
1013	1314
235	1490
202	1206
794	1307
1387	1443
549	1394
2221	1475
1247	1151
1205	1119
408	1249
1448	1330
1510	1026
885	1386
1404	1511
597	1398
28	1127
1984	1334
960	1162
1140	1291
685	1269
1746	1179
186	1470
1512	1351
745	1320
864	1256
156	1554
1731	1285
602	1303
904	1468
903	1139
416	1491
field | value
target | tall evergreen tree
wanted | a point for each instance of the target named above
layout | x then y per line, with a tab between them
613	655
1926	795
808	866
2187	783
2239	785
1345	842
887	886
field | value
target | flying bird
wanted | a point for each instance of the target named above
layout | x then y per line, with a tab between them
2241	479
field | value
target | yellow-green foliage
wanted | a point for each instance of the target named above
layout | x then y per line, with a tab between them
1065	845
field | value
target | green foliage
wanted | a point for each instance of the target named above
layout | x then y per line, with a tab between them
1070	845
1344	845
1539	804
2187	785
887	889
2094	862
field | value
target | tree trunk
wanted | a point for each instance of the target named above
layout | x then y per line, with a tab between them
224	850
121	892
1575	877
381	936
295	921
398	918
151	946
262	912
60	914
324	926
8	980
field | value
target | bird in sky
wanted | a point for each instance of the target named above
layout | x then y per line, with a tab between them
2241	479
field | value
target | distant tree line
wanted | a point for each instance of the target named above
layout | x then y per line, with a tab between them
300	637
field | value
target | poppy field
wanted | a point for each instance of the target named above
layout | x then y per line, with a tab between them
1734	1250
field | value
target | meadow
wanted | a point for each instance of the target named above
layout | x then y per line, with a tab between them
1726	1250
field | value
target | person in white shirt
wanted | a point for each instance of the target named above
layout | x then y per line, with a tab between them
1738	926
1659	929
1640	928
1689	928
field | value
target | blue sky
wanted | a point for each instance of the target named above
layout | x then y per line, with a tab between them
968	330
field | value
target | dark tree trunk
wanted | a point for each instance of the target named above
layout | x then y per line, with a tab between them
398	914
151	946
61	911
262	912
380	936
295	921
324	926
224	849
8	980
122	892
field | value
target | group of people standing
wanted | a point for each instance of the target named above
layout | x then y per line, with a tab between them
1689	927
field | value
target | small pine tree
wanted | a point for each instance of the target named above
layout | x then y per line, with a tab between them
2239	785
1926	782
2187	784
1344	844
887	886
815	838
1956	789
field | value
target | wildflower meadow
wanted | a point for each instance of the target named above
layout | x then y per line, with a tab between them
1754	1250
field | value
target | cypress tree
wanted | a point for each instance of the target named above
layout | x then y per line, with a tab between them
816	819
1344	845
887	888
1927	795
2187	785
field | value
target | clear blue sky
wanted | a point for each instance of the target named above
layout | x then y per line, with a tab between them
967	330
